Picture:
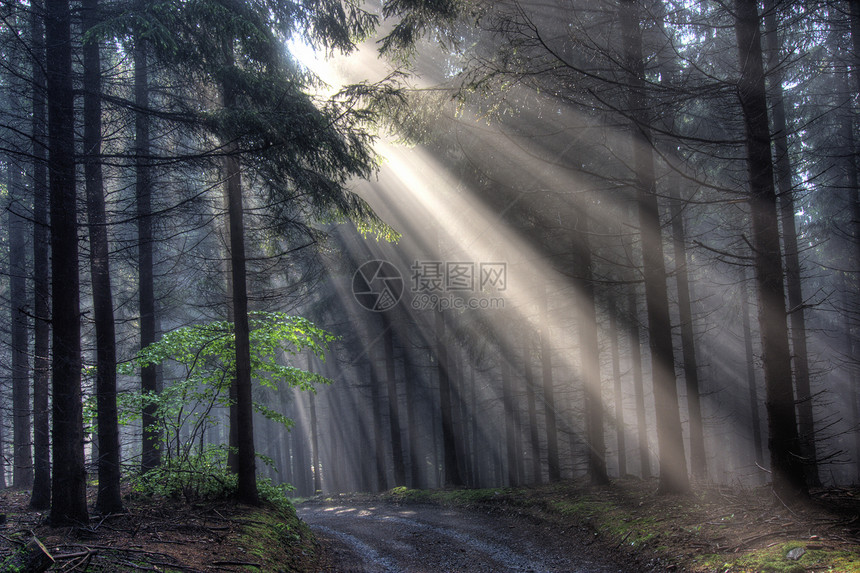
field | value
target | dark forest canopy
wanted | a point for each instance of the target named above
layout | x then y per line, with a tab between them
528	241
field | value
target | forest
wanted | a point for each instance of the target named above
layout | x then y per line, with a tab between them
350	246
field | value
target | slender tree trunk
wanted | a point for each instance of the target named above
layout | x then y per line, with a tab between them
531	404
376	413
673	465
638	385
247	489
854	7
550	422
22	459
151	454
510	429
17	212
315	445
109	495
68	491
852	166
461	413
751	381
41	497
2	453
474	457
589	352
698	462
789	480
451	464
416	476
620	428
785	186
393	404
233	430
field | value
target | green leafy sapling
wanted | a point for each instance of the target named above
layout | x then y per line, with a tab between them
201	360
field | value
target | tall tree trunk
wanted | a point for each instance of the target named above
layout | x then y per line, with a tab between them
68	486
315	445
854	8
550	421
376	414
785	189
473	432
416	476
531	404
109	496
750	374
393	404
638	384
2	454
151	454
16	229
451	463
789	480
247	489
22	459
233	430
673	464
698	462
589	351
510	429
41	497
852	166
620	428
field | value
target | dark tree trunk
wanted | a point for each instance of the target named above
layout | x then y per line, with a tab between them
785	185
531	404
750	374
789	480
851	167
41	497
247	490
620	429
2	455
854	7
472	431
233	430
510	429
68	491
460	415
22	459
638	384
550	421
698	462
416	476
589	352
315	445
109	495
451	464
673	465
393	404
151	455
376	414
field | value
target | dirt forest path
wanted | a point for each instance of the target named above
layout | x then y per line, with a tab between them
383	538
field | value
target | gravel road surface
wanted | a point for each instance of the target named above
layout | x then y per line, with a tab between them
386	538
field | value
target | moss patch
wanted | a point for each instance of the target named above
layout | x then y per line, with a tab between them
276	539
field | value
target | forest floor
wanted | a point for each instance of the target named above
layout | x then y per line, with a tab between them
713	530
164	535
